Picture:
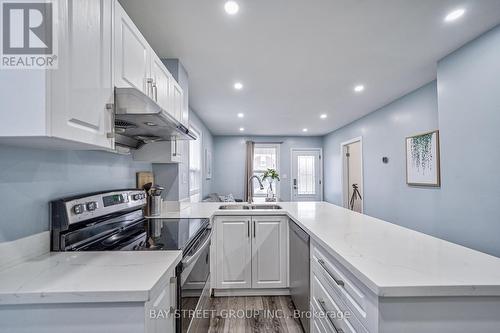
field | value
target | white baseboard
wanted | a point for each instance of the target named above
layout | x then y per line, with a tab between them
22	249
251	292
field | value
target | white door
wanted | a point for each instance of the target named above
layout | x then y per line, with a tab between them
82	86
307	183
177	100
234	252
353	176
132	54
269	252
161	82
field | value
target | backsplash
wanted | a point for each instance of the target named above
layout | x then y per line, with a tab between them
30	178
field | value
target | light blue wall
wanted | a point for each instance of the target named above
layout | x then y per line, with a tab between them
469	118
229	159
465	102
30	178
386	194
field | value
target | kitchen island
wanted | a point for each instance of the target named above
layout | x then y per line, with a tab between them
402	280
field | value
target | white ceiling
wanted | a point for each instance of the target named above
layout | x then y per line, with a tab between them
298	59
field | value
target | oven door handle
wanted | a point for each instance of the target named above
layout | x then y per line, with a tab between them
188	260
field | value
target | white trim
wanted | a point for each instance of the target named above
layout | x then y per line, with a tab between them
199	190
321	159
342	170
277	146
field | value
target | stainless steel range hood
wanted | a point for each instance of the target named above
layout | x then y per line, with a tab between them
140	120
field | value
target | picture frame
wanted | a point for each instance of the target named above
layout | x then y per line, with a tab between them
208	164
423	160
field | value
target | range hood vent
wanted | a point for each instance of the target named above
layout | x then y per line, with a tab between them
140	120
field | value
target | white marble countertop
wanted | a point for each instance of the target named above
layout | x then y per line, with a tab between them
392	261
82	277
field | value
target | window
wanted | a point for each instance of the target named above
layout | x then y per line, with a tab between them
195	158
306	176
266	156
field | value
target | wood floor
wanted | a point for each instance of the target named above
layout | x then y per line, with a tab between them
257	316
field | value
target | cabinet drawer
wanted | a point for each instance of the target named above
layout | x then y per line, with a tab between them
358	298
340	318
317	322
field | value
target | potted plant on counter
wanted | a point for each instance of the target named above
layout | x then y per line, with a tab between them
271	175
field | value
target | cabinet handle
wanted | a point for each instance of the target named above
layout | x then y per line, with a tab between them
149	88
253	229
173	293
337	281
155	91
323	308
248	228
175	147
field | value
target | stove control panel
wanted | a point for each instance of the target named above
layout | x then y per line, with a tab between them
86	208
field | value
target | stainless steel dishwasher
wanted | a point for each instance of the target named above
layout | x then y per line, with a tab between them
300	271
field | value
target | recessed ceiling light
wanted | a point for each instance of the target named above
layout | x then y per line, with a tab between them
231	7
242	129
359	88
324	116
454	15
304	130
241	115
238	86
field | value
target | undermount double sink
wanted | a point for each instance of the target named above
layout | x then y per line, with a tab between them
248	207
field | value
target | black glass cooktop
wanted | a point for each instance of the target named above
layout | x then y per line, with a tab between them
173	234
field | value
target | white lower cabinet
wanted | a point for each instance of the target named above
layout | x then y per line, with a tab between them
269	252
153	316
234	252
251	252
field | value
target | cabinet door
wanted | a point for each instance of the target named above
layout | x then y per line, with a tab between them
158	311
234	254
82	87
162	83
269	252
132	54
177	100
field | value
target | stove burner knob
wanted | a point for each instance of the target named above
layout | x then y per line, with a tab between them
78	209
91	206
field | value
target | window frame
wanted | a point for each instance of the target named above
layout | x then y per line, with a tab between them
199	190
276	188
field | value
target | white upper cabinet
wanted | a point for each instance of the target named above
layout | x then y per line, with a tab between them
138	66
162	83
70	106
82	86
177	100
132	54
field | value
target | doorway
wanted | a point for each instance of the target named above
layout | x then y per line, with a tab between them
307	174
352	174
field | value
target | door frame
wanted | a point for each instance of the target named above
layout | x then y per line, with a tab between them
320	150
343	174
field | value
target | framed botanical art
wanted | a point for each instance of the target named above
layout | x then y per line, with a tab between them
423	160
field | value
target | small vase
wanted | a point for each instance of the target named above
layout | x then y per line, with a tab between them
270	192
